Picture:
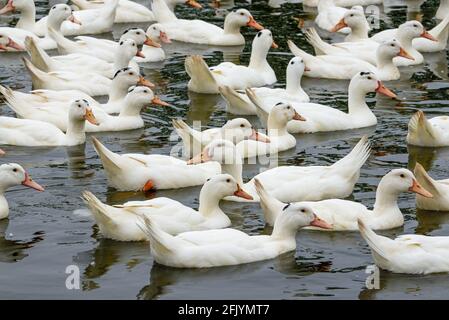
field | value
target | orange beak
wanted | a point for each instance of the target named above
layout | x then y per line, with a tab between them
405	54
8	8
306	69
242	194
151	43
144	82
317	222
298	117
427	35
340	25
259	137
200	158
89	116
140	54
28	182
2	153
159	102
384	90
164	38
274	45
253	24
74	20
148	186
417	188
194	4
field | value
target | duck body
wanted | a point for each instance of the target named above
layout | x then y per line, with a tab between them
425	132
438	188
410	254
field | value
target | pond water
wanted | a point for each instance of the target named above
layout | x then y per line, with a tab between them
47	232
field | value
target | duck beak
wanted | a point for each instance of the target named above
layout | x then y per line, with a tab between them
144	82
317	222
340	25
253	24
15	45
259	137
427	35
74	20
2	153
306	69
89	116
28	182
151	43
200	158
242	194
405	54
417	188
274	45
140	54
148	186
159	102
298	117
9	7
384	90
193	4
164	38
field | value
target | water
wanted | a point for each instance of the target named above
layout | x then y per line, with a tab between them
48	231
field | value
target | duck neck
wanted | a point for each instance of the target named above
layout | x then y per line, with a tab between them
293	86
131	108
284	231
358	33
235	169
258	58
356	100
209	203
275	127
27	19
406	44
4	207
118	91
76	133
121	61
230	27
386	65
386	200
443	9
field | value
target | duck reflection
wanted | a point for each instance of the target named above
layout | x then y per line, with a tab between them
202	106
429	221
437	63
15	250
425	156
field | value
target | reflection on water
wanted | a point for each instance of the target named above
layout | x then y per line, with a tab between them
43	235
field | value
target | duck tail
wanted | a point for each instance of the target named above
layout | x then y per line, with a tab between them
308	58
111	161
162	243
36	74
425	180
236	103
260	110
441	30
419	128
321	47
200	75
38	56
192	145
351	164
270	205
98	208
12	101
373	241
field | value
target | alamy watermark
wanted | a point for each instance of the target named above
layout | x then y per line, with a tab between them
72	282
372	282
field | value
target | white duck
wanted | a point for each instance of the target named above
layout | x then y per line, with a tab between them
201	32
343	214
120	222
438	188
235	130
292	183
11	175
33	133
329	15
257	74
140	172
344	67
440	34
92	21
122	81
79	62
215	248
8	44
129	117
237	102
322	118
425	132
411	253
355	20
154	52
343	3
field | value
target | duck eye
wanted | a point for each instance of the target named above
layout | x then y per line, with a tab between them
402	175
303	210
259	34
392	44
352	15
288	108
293	62
138	33
134	44
228	180
130	73
242	13
369	78
14	170
121	43
242	125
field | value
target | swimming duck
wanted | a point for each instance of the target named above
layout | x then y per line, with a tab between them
439	189
355	20
425	132
258	73
11	175
410	253
224	247
287	183
237	102
343	214
322	118
140	172
329	15
154	53
129	117
33	133
120	222
201	32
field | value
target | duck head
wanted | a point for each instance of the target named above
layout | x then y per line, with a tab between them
241	18
8	44
128	77
223	185
142	96
414	29
80	111
156	32
353	18
367	82
281	114
138	35
239	129
296	68
403	180
263	41
58	14
220	150
128	49
390	49
13	174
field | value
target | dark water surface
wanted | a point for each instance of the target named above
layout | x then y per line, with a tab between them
48	231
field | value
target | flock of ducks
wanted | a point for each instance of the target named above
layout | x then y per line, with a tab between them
62	108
